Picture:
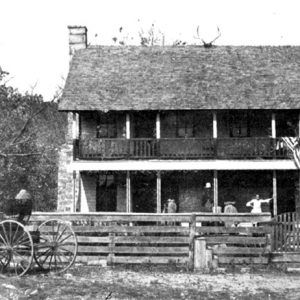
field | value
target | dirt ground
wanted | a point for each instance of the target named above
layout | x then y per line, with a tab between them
149	282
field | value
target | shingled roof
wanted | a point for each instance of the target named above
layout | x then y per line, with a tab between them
192	77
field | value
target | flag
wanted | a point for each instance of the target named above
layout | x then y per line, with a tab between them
293	143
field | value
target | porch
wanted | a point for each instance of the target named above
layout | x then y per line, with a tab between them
223	134
177	148
149	191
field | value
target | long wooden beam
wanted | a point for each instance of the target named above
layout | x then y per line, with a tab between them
274	192
158	192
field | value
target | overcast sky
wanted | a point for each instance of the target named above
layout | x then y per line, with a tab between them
34	35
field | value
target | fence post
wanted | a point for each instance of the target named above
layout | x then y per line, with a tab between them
111	245
200	255
191	241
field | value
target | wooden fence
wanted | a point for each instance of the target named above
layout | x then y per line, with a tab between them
166	238
286	233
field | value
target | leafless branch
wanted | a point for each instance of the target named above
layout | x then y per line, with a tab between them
19	154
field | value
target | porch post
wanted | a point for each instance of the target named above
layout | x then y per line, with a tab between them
76	181
158	125
75	126
273	125
299	125
274	193
215	190
128	192
215	125
127	126
158	192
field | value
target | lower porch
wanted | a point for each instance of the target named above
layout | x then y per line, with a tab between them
149	191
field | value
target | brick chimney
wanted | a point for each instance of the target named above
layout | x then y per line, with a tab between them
77	38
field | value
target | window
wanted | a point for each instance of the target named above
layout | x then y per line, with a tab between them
106	198
185	124
107	126
238	124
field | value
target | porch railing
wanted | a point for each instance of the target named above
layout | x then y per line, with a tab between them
287	233
176	148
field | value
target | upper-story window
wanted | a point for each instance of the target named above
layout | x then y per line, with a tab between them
107	126
185	125
238	124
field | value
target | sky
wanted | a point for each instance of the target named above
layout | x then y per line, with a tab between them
34	34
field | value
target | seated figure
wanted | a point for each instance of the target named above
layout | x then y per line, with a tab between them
230	208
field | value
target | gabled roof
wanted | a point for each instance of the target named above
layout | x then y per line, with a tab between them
191	77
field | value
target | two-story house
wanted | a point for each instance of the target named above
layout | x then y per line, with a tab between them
151	123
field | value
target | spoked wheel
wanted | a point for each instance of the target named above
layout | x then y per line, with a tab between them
57	247
16	248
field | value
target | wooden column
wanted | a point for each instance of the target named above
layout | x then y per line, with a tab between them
273	125
127	126
215	190
299	125
158	192
75	126
158	125
274	193
215	125
128	193
74	191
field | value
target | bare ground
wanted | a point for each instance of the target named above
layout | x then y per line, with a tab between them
149	282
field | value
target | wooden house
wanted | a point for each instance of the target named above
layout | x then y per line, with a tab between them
147	124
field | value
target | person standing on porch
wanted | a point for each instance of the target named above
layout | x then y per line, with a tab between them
172	207
256	204
207	198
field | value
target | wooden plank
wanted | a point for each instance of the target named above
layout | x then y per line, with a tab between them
232	239
131	229
243	260
151	240
298	233
284	246
234	218
294	230
151	250
191	241
93	239
148	217
150	260
240	251
89	258
233	230
280	257
111	246
93	249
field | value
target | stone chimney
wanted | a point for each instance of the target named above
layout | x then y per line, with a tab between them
77	38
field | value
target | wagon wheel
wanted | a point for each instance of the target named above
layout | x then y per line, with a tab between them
16	248
57	247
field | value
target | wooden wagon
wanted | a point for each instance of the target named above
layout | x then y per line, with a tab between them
52	245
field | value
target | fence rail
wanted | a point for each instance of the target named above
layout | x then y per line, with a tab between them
165	238
177	148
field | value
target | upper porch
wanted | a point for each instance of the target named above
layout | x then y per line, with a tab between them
199	134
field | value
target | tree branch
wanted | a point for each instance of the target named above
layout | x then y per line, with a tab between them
19	154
